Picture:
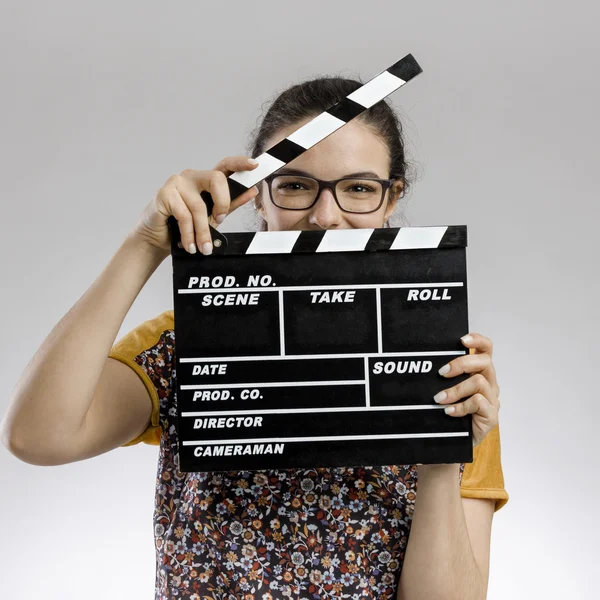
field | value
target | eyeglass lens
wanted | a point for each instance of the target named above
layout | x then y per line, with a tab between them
356	195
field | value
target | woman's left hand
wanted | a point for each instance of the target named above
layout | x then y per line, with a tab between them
480	390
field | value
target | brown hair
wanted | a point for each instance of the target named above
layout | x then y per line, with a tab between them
309	99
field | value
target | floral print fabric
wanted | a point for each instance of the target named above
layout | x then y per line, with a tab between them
263	535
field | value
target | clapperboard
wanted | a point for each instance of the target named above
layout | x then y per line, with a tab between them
300	349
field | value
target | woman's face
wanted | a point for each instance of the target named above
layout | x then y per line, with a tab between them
351	149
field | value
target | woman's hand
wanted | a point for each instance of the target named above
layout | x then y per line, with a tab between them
481	389
180	197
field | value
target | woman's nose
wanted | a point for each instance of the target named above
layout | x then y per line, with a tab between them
325	212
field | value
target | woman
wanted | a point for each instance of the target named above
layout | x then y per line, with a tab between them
305	533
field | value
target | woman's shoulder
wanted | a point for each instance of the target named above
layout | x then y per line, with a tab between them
156	331
165	318
164	321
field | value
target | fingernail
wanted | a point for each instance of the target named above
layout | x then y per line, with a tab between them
252	161
440	397
449	410
445	369
220	218
192	248
207	248
467	339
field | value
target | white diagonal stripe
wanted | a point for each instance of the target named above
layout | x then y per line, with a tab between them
273	242
418	237
375	90
340	240
315	130
267	164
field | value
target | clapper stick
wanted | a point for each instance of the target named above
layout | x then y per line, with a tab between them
318	129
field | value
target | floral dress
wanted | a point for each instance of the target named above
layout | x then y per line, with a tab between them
269	534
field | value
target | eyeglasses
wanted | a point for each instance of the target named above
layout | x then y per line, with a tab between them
352	194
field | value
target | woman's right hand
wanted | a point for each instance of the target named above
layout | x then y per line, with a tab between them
180	197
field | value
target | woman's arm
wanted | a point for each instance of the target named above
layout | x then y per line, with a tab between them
51	400
448	547
447	555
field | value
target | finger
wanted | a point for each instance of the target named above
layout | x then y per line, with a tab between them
469	363
478	342
215	183
198	209
178	208
476	404
476	384
243	198
231	164
472	363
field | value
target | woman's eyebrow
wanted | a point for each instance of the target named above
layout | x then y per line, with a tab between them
290	171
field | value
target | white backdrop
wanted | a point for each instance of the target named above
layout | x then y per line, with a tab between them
102	102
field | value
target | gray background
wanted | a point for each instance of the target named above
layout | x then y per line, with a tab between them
102	102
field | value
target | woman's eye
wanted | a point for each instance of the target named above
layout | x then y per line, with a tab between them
289	185
366	188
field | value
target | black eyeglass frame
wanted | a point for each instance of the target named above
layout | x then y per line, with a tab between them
331	185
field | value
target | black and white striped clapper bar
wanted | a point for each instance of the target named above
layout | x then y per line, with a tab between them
300	349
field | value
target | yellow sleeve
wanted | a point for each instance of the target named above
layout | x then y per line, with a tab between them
483	478
143	351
